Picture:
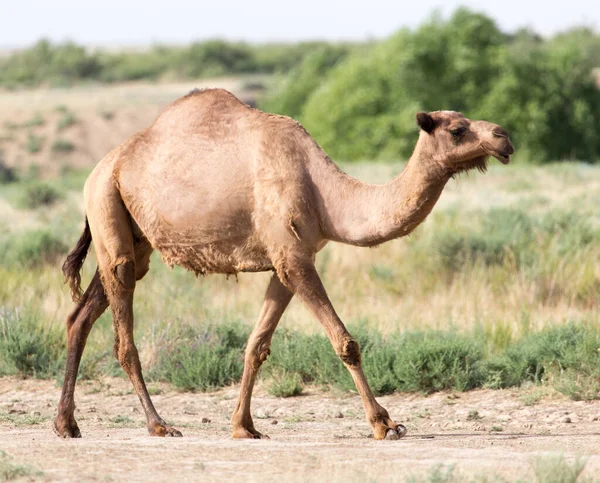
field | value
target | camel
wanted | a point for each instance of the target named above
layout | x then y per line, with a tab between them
217	186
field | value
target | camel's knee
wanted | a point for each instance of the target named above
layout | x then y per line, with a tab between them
124	274
257	352
127	354
348	351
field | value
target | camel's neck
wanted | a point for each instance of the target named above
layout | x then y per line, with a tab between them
361	214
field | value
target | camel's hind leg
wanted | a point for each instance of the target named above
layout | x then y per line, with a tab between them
79	324
112	233
277	299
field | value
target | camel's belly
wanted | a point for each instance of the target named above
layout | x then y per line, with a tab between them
225	257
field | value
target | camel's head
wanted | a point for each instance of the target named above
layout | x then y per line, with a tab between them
460	143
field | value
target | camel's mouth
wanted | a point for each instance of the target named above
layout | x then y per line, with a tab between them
503	158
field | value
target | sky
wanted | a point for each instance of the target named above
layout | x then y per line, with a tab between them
142	22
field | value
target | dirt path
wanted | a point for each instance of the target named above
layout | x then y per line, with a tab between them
481	433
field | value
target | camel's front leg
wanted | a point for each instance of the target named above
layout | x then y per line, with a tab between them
302	277
277	299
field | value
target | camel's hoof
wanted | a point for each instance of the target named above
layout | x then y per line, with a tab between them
174	433
165	431
66	432
242	433
394	434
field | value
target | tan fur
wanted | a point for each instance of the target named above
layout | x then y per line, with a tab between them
218	187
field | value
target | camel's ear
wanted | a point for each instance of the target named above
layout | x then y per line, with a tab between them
425	122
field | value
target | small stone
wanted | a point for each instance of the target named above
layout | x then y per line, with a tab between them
567	420
339	415
135	410
205	420
98	419
596	418
274	421
36	413
92	410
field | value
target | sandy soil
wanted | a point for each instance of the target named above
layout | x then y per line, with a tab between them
314	436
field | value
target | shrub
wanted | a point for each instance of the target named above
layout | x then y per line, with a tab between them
39	194
285	384
566	356
7	173
434	361
203	360
31	249
34	143
62	146
28	348
67	120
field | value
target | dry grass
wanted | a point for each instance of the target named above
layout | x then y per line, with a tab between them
395	286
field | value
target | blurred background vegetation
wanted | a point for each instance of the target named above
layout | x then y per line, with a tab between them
499	288
358	99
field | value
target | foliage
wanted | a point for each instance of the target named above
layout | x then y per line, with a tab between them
30	249
543	92
39	194
27	347
66	63
202	360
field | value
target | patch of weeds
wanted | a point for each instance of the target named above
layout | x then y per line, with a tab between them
28	348
438	474
531	398
9	470
39	194
34	143
23	419
202	359
154	390
106	114
8	174
122	420
558	469
285	384
31	249
35	121
67	119
293	419
474	415
497	429
62	146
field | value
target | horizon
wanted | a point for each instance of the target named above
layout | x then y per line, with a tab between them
139	24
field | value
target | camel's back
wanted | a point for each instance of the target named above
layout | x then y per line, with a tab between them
195	180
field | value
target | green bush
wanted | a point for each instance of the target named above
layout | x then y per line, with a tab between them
39	194
7	173
67	120
566	356
285	384
31	249
203	360
34	143
542	92
434	361
28	348
62	146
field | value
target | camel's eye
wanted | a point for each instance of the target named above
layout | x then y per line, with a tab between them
458	132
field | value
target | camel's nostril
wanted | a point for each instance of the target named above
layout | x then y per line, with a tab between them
499	132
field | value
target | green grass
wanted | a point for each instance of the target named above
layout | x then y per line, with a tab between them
62	146
558	469
10	470
491	291
34	143
39	194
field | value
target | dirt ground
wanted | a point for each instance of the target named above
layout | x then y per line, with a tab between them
318	435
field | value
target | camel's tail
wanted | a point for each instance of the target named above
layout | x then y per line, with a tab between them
72	266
